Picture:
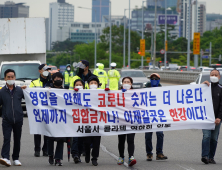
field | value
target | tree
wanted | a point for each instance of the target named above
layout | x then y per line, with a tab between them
66	45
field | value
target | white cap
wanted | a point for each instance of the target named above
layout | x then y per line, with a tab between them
97	64
113	64
46	68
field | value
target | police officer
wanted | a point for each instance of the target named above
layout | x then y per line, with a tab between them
102	75
113	76
83	73
68	75
43	81
97	68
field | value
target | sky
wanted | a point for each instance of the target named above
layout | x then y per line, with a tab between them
40	8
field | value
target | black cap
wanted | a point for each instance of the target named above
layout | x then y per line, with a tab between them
85	62
41	66
93	77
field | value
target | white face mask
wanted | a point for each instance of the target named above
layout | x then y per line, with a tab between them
45	73
68	68
126	86
214	79
10	82
79	87
93	86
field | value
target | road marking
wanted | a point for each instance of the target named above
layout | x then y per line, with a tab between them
115	157
189	168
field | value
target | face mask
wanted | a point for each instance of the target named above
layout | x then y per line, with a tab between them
68	69
93	86
80	71
58	83
79	87
154	83
10	82
45	73
126	86
214	79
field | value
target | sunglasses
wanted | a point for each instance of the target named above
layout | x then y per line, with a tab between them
154	78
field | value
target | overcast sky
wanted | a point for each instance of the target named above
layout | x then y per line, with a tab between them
40	8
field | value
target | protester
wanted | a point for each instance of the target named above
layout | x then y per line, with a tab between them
126	85
93	83
83	73
68	75
210	137
113	76
12	118
102	75
57	80
43	81
77	143
154	82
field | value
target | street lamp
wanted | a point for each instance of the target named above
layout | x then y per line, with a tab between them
188	43
142	31
129	39
95	33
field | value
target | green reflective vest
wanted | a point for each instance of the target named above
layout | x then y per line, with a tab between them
36	83
68	77
114	77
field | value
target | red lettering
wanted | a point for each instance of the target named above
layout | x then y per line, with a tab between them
123	99
85	115
75	115
102	101
182	114
103	116
111	99
93	117
173	114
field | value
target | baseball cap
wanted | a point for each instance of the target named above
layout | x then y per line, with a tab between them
155	74
44	67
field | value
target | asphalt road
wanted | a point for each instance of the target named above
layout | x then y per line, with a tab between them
183	149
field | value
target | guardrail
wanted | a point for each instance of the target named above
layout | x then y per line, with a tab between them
171	76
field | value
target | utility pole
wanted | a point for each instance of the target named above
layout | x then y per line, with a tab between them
196	30
188	43
165	54
142	31
110	38
129	39
210	54
154	55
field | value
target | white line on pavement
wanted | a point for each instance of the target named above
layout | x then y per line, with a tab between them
115	157
186	168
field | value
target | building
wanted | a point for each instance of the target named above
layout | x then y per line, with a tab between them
213	21
60	14
161	3
47	32
201	16
13	10
81	32
99	9
116	20
149	18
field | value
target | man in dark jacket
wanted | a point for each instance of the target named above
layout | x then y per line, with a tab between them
12	114
154	82
210	137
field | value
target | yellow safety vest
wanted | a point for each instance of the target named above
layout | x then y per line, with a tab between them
67	77
114	77
72	83
36	83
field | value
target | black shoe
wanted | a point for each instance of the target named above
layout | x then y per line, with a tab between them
37	154
76	159
161	157
205	160
87	158
45	154
51	160
94	162
212	161
58	161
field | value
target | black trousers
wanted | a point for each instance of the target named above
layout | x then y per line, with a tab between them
95	140
77	146
130	142
7	129
37	142
59	148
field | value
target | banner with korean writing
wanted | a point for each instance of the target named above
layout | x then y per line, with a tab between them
66	113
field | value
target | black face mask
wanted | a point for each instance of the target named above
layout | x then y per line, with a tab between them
80	71
58	83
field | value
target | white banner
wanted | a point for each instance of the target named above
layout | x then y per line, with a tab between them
64	113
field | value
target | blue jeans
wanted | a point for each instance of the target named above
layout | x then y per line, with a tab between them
77	146
159	145
209	142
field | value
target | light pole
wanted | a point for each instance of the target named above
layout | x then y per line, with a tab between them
95	34
196	30
129	39
154	55
142	30
188	42
165	54
110	38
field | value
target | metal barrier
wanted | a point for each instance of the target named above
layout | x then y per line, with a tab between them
171	76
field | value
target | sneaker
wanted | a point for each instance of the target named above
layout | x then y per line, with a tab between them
161	157
76	159
205	160
45	154
120	161
51	160
94	162
132	161
5	162
58	161
17	163
149	157
37	154
212	161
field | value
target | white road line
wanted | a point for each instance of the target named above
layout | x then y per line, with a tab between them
115	157
186	168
